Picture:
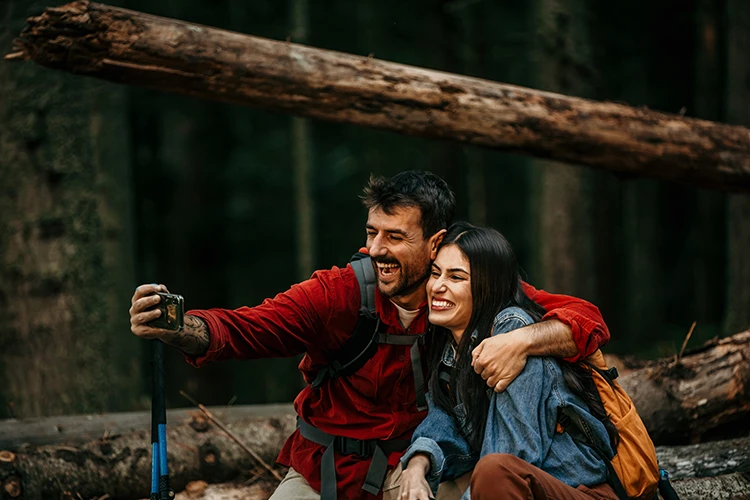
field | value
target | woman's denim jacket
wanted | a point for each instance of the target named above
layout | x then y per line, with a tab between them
522	421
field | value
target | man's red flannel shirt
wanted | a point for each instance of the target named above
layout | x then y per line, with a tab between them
316	317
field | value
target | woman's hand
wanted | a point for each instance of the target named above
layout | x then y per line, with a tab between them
414	486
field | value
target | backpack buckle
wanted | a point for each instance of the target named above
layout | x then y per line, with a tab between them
362	448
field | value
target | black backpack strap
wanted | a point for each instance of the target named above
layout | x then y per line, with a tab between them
416	361
375	450
363	343
579	430
355	352
362	265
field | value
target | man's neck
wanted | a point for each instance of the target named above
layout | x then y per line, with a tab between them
412	301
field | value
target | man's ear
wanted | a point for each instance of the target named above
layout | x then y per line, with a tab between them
435	242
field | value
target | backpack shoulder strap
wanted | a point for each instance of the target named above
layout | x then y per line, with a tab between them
573	424
363	343
362	265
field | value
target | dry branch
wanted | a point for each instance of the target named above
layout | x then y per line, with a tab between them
135	48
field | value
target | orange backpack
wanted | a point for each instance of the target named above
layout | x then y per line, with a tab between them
633	471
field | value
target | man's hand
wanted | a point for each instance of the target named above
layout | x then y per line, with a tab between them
500	359
193	339
145	298
414	486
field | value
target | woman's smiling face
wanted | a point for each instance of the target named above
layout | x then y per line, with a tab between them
449	291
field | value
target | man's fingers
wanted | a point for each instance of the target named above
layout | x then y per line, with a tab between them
144	290
501	385
144	303
144	317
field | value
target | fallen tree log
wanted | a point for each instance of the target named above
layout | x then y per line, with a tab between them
120	465
714	458
731	486
703	396
165	54
79	429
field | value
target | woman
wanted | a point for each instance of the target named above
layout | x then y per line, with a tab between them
473	292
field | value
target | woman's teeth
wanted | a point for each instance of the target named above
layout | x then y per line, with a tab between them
441	304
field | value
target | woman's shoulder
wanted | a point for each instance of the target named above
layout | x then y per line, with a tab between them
511	318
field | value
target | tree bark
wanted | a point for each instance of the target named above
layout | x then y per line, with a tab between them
119	465
65	236
130	47
701	397
732	486
563	195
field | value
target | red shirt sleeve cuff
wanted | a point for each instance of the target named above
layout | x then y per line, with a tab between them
587	334
215	344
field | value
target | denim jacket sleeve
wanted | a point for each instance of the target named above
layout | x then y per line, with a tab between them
439	437
519	422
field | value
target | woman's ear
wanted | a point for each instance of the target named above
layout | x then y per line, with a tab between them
435	241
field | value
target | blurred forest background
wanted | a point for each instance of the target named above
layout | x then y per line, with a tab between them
104	187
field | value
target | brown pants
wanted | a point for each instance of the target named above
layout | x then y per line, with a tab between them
508	477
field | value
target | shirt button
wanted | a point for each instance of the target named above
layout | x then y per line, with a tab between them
401	358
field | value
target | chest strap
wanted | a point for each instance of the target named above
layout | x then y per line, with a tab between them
416	361
376	449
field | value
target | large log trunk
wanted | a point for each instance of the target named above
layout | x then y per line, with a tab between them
135	48
702	397
732	486
120	465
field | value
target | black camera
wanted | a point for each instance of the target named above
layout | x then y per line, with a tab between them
172	312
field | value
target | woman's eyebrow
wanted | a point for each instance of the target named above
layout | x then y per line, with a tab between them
458	270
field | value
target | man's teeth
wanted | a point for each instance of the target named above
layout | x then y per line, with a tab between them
388	268
441	303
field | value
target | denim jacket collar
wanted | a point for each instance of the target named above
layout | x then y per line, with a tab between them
449	350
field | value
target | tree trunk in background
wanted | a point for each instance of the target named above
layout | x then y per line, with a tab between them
471	45
738	111
303	161
563	193
706	235
65	240
643	296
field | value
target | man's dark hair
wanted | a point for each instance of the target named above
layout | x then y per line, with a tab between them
413	188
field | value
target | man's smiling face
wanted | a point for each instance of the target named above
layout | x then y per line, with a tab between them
400	254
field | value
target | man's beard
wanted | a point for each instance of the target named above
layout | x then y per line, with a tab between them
408	281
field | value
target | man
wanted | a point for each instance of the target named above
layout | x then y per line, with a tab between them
374	410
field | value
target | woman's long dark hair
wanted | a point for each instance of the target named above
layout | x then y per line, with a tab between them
495	285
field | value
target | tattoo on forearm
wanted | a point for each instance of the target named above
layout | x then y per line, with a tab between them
194	337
